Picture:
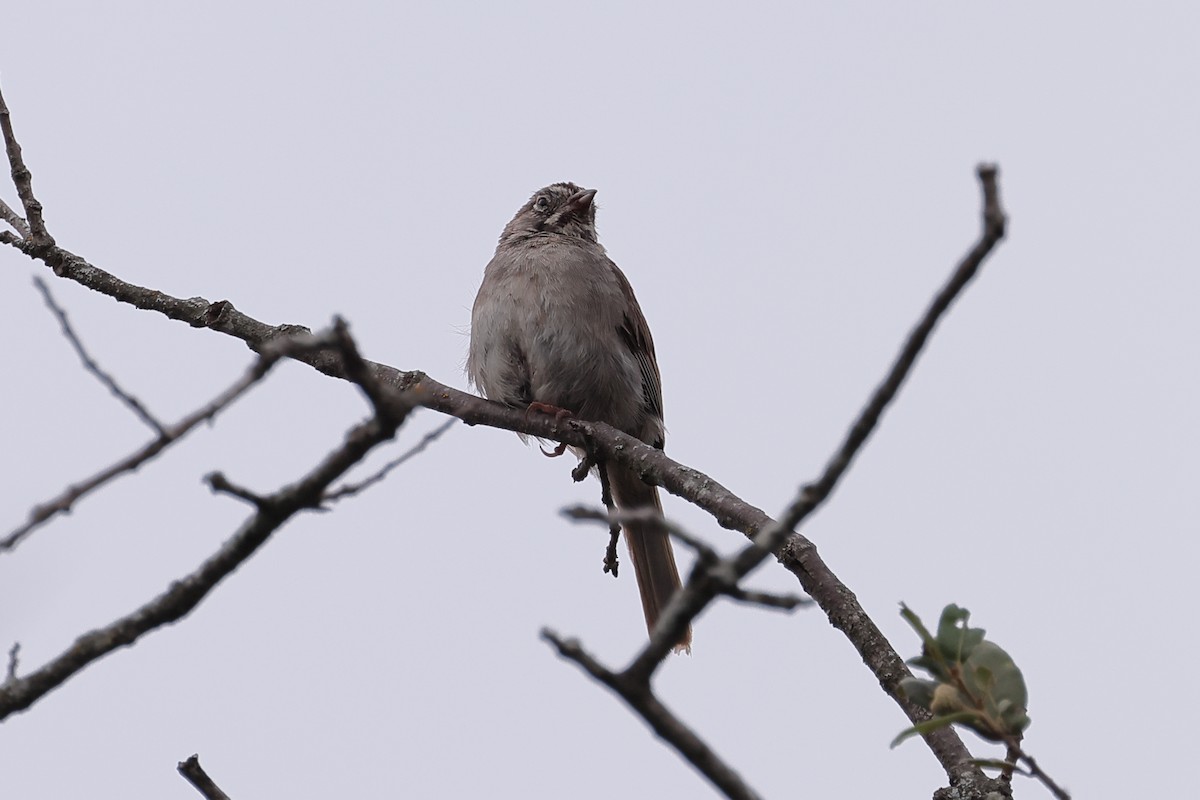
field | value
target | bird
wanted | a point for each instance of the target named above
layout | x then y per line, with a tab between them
556	327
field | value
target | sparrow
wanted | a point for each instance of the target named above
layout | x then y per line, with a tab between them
556	327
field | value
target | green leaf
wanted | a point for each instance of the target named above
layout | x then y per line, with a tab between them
991	675
913	620
931	659
935	666
930	725
956	642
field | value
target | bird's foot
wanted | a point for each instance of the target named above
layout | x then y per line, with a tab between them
559	415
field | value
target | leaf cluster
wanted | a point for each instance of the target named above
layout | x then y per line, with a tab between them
972	682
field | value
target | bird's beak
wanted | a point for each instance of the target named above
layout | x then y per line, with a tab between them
581	201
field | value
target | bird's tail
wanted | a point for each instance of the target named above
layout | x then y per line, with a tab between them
649	549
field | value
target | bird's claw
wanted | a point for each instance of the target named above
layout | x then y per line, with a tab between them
556	452
559	415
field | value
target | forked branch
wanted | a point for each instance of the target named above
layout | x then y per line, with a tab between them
799	555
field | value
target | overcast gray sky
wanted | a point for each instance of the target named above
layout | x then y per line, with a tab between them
785	189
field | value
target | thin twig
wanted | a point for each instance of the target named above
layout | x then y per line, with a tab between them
23	180
14	652
786	602
197	777
1036	772
612	561
135	405
684	607
390	404
358	371
994	223
219	484
13	218
352	489
183	595
639	697
705	555
617	516
42	513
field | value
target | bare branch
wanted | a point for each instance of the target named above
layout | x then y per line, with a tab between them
786	602
687	604
197	777
219	484
799	555
38	235
794	551
10	674
994	222
616	516
91	366
612	562
42	513
352	489
186	593
13	218
639	697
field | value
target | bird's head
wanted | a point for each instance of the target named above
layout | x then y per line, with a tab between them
563	209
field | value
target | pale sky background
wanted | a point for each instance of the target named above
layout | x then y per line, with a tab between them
785	189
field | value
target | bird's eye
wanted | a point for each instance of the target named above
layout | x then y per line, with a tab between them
541	203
